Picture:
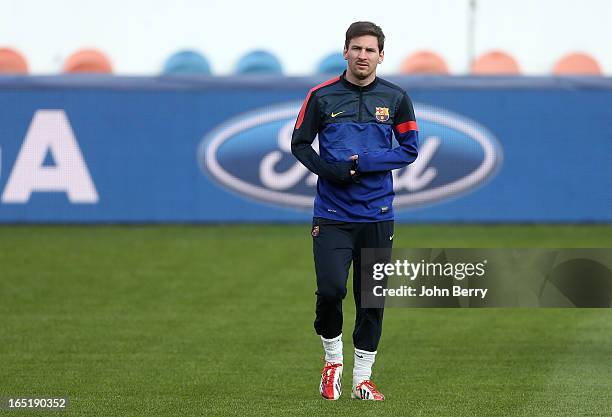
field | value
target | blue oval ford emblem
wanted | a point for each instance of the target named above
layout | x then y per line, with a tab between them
251	155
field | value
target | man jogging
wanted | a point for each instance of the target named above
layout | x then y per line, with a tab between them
355	116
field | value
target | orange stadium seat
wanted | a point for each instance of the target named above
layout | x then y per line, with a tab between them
424	62
495	63
88	61
12	62
577	63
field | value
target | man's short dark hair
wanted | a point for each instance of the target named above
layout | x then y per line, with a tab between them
365	28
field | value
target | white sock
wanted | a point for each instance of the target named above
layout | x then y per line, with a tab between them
363	365
333	349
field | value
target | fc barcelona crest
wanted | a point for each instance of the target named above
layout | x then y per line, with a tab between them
382	114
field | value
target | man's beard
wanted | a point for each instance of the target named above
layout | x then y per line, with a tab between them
361	74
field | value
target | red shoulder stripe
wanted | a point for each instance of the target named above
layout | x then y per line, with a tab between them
305	103
406	126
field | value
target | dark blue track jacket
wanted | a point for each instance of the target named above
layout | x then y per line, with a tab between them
353	120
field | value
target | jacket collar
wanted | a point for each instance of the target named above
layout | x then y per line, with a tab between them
356	87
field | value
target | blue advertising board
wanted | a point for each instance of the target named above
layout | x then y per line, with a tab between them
90	149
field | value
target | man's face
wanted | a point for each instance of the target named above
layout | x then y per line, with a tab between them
363	56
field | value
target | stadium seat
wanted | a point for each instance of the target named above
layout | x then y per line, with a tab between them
577	63
424	62
495	63
187	62
333	63
88	61
12	62
259	62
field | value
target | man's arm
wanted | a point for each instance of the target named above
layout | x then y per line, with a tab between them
306	128
407	135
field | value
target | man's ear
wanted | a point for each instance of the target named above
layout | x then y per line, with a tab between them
345	53
381	57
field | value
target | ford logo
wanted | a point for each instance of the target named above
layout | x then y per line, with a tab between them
251	155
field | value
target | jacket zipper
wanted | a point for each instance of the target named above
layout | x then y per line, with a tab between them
359	110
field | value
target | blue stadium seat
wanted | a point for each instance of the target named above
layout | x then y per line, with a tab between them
186	62
259	62
333	63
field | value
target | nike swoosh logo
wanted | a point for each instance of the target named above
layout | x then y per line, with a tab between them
359	356
335	114
391	237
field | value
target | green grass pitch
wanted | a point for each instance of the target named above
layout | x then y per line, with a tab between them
217	320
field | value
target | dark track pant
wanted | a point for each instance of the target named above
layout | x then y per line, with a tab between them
335	245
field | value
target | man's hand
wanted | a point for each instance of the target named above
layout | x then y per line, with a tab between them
353	158
346	171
